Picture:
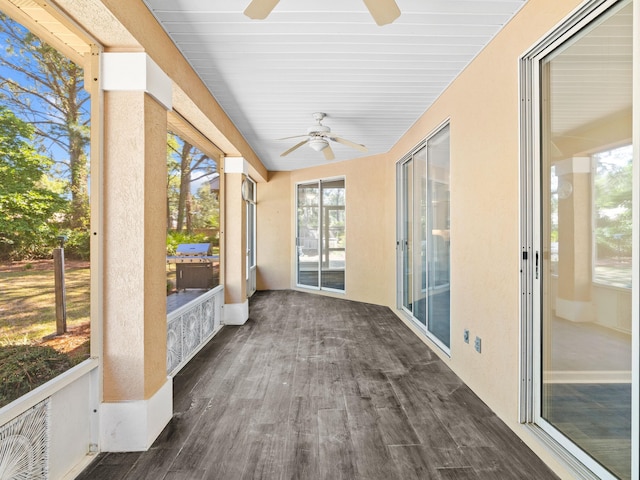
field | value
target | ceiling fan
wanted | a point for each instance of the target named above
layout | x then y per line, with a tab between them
318	138
382	11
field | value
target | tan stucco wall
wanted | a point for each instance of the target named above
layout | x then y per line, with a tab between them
274	231
235	242
134	296
369	183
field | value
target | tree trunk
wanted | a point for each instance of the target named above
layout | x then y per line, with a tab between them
185	184
188	214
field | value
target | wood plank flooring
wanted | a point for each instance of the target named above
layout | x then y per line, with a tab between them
313	387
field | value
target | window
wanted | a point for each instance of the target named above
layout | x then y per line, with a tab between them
578	163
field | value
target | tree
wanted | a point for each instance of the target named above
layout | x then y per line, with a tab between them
613	202
187	164
47	89
26	206
613	185
206	211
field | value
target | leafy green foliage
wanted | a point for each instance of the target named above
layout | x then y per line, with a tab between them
26	207
46	89
25	367
613	186
206	208
186	165
176	238
77	244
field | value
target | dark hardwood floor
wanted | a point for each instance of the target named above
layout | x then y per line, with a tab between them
313	387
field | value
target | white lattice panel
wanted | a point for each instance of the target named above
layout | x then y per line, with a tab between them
191	327
24	445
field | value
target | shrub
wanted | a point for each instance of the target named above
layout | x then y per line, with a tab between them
77	245
30	247
25	367
176	238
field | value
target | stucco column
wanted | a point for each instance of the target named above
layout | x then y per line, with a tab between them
236	308
137	395
574	239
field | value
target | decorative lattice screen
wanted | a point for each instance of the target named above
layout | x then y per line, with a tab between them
192	327
24	445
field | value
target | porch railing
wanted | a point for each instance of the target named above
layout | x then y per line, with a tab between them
191	326
49	431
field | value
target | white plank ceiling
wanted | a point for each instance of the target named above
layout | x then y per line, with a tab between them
591	78
328	56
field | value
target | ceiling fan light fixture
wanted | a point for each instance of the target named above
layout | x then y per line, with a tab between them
318	144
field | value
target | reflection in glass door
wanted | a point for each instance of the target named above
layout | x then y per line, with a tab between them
437	235
332	253
308	234
321	235
585	243
413	296
423	236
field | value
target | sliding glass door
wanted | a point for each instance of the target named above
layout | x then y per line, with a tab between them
579	322
249	192
423	236
437	235
321	234
413	234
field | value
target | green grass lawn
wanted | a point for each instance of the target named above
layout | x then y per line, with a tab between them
27	314
27	304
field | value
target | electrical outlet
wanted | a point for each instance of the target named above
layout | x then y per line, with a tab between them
466	336
478	344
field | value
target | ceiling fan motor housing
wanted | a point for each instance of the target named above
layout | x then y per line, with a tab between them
318	144
318	130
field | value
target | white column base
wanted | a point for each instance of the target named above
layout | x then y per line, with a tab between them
134	426
574	310
235	313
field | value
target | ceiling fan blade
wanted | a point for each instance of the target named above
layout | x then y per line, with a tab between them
260	9
349	143
383	12
328	153
296	146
